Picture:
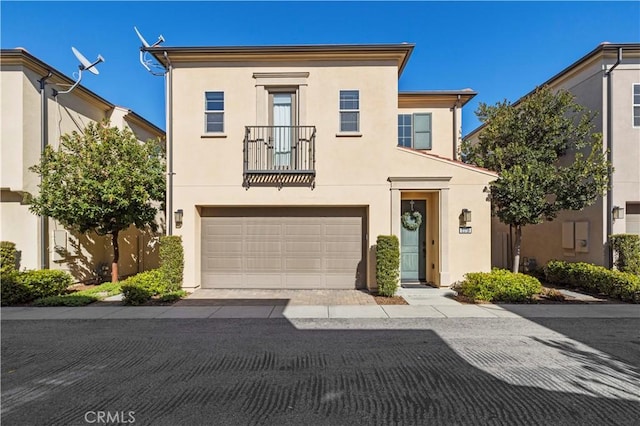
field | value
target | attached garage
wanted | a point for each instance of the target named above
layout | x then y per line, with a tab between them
283	248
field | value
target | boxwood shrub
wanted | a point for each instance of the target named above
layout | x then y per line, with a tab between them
172	260
594	279
499	285
141	287
627	250
46	282
13	289
387	264
8	258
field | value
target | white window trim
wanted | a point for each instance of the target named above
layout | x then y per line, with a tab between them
634	105
340	111
206	112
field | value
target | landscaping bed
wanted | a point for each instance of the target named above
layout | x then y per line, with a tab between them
394	300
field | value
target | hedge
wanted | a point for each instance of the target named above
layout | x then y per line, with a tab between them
627	250
595	279
172	261
22	287
141	287
8	258
499	285
387	264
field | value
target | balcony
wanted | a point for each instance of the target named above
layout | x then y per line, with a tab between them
279	156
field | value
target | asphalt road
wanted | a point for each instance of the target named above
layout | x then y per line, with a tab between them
321	372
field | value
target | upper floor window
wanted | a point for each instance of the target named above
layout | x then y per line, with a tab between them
214	112
414	130
349	111
636	105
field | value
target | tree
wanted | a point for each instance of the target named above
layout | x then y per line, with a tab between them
102	180
547	155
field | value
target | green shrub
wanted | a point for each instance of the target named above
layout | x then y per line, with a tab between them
46	282
627	250
499	285
139	288
595	279
135	295
172	296
104	290
13	290
65	300
8	257
387	264
172	260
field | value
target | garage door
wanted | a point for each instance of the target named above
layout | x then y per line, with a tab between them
293	248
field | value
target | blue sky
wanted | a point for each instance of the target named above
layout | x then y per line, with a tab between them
502	50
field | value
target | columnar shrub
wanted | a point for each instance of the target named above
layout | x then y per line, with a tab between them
499	285
7	256
172	261
627	250
595	279
387	264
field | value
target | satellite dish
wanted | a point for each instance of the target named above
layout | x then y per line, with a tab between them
144	42
145	60
85	64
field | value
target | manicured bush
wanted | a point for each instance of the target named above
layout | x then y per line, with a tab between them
627	251
141	287
46	282
499	285
172	260
13	290
595	279
135	294
65	300
8	258
387	264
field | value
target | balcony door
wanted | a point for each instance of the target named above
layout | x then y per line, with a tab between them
282	118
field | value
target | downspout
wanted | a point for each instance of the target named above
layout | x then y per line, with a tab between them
456	105
169	125
44	228
610	156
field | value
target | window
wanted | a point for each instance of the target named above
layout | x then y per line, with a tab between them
214	112
349	111
636	105
414	130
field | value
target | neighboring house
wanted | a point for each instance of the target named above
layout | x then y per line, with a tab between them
84	256
289	161
606	81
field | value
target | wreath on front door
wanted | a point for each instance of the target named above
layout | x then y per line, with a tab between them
411	220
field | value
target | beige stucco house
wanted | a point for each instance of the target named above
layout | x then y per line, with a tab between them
22	111
606	81
289	161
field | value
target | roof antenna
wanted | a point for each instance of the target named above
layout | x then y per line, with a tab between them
145	60
84	65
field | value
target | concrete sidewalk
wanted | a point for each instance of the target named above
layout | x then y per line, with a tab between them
323	311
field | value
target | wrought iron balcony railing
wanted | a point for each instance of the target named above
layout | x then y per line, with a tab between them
279	155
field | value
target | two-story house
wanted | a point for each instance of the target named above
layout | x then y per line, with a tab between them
607	82
31	115
289	161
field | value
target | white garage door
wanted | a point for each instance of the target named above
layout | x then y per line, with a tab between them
633	218
293	248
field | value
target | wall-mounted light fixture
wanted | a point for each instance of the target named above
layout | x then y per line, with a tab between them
618	212
466	215
177	215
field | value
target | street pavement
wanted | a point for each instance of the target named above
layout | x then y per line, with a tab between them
519	370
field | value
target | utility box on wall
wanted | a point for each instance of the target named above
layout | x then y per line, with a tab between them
582	237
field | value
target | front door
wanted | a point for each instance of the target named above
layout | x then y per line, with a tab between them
413	248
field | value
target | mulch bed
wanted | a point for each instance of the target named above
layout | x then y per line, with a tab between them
395	300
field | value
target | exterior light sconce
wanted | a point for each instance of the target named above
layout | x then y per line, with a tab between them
466	215
618	212
177	216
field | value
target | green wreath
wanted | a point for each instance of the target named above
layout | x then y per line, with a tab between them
411	220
